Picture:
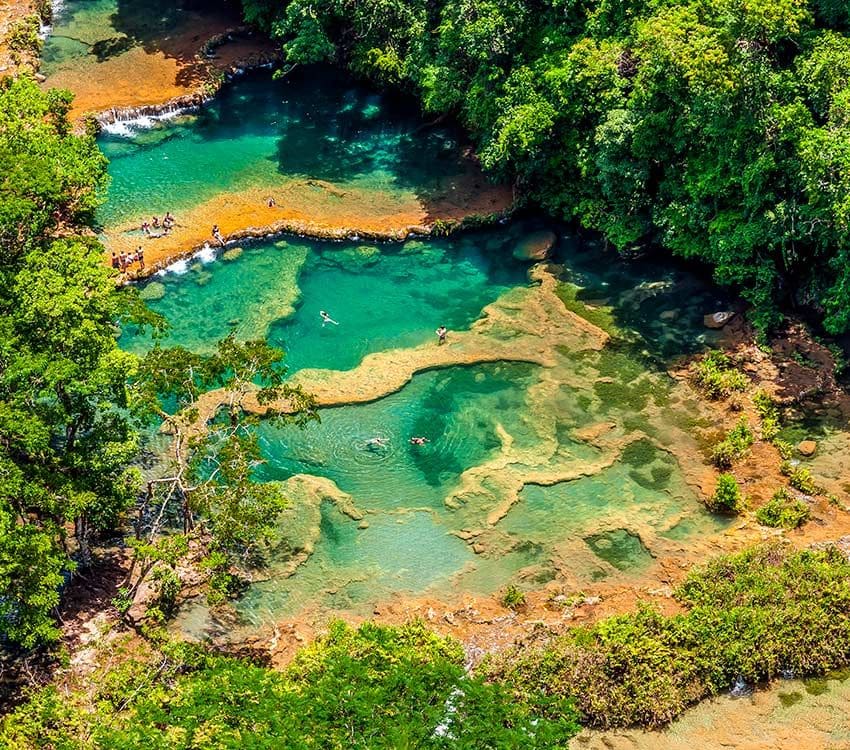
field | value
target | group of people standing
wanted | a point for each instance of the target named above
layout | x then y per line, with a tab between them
122	261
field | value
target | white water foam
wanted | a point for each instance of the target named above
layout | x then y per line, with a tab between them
206	255
129	126
179	267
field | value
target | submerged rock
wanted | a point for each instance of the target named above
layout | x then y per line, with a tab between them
807	447
717	320
153	291
232	253
536	246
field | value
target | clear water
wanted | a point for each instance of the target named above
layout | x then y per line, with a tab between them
87	32
382	296
421	534
610	523
314	124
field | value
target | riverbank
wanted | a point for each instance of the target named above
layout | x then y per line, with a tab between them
316	208
19	26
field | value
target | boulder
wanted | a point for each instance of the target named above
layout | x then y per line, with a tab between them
718	319
536	246
232	253
669	315
807	447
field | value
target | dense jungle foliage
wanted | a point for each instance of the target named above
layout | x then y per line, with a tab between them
719	129
372	688
73	406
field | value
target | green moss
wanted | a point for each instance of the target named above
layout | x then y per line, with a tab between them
602	317
790	699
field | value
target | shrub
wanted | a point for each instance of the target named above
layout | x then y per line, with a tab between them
800	478
513	598
734	446
717	377
727	496
751	614
23	35
768	414
783	511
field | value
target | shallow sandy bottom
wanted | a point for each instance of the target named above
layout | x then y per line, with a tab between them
154	73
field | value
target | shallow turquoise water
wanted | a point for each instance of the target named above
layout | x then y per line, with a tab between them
315	124
387	296
408	545
382	297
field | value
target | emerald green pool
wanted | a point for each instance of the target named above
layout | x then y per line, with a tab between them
259	133
434	517
382	296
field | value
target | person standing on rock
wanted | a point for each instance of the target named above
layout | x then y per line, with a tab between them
140	256
442	332
216	233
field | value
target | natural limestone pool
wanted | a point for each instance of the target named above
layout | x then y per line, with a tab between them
558	449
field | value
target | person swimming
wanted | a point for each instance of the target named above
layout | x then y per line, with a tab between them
326	318
376	442
419	440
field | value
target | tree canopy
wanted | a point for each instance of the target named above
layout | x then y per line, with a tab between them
718	129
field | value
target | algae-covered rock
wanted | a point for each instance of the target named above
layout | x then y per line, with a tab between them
232	253
202	278
152	291
536	246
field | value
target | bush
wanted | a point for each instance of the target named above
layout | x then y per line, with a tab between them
23	35
513	598
751	614
734	446
783	511
727	496
800	478
769	416
717	377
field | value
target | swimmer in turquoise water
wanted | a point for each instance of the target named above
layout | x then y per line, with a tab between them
326	318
